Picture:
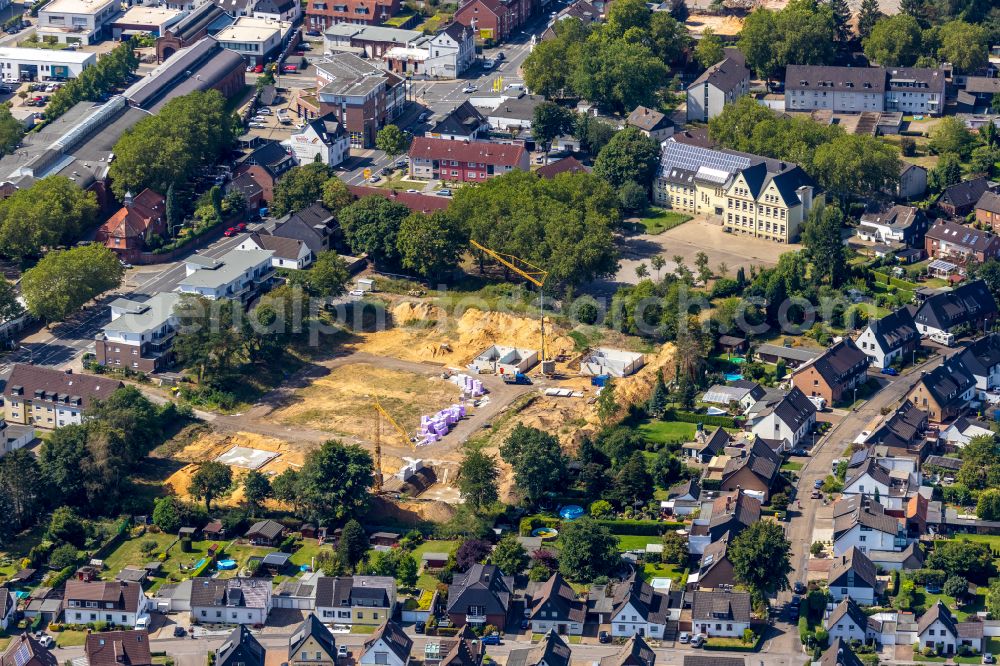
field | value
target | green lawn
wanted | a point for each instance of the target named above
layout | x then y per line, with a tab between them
657	220
925	599
363	628
791	466
70	638
129	552
435	546
630	542
667	431
672	571
309	548
427	582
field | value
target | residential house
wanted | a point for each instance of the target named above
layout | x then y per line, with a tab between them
14	437
49	398
861	523
451	51
237	275
554	607
638	609
482	595
266	533
314	225
114	648
369	41
140	217
277	10
960	244
838	654
938	629
493	20
361	600
792	356
77	22
889	488
25	650
852	576
721	84
388	646
568	164
265	165
833	376
982	359
716	569
288	253
462	161
312	644
846	621
730	514
837	89
720	613
417	202
240	649
912	181
635	652
231	600
754	470
114	602
970	305
945	391
910	558
898	224
705	447
962	430
682	499
744	392
514	114
550	651
8	607
789	419
960	199
916	90
360	94
468	650
979	92
988	210
890	339
325	137
902	431
652	123
463	123
321	14
140	334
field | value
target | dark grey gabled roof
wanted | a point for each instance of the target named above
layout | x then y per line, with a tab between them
870	467
240	648
269	529
971	239
982	355
839	654
989	201
849	608
312	627
856	561
895	329
937	612
465	120
552	650
898	218
948	382
719	604
839	363
635	653
482	585
557	600
649	603
965	193
948	309
835	79
725	75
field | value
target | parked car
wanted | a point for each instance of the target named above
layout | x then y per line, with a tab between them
423	116
259	69
469	89
444	192
489	64
283	117
604	637
257	125
988	658
47	641
685	637
241	226
817	484
525	623
892	372
492	639
231	231
342	651
374	179
499	56
263	111
420	627
179	632
698	640
815	494
314	33
799	587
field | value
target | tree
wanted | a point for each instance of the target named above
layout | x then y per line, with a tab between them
856	165
169	147
63	280
675	548
701	263
657	262
371	225
841	20
393	141
11	130
629	156
328	276
60	460
607	405
964	45
334	481
761	560
52	212
589	551
895	41
166	514
709	49
601	509
618	74
285	487
536	459
407	569
212	480
471	552
477	479
983	159
510	556
208	341
173	213
667	469
336	195
549	121
353	544
641	271
63	556
945	173
633	483
969	559
956	586
593	133
988	505
256	489
633	196
301	186
804	32
951	136
431	245
22	488
65	525
995	103
821	238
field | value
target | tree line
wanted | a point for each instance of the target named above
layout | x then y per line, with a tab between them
113	70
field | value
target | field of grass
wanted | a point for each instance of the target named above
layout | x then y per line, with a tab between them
658	220
309	548
672	571
70	638
129	552
791	466
630	542
667	431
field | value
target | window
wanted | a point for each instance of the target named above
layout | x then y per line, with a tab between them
381	657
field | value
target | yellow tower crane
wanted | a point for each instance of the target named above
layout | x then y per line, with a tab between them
535	276
381	413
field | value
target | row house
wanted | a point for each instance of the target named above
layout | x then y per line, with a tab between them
960	244
494	21
462	161
322	14
48	398
832	376
912	90
853	577
859	522
245	601
120	603
960	199
988	210
944	392
785	418
970	306
890	339
356	600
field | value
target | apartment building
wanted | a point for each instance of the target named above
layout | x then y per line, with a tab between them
721	84
140	333
238	275
256	39
50	398
494	20
76	21
321	14
856	89
461	161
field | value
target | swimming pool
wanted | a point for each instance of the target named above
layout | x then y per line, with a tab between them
732	377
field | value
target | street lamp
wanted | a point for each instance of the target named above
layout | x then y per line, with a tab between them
31	354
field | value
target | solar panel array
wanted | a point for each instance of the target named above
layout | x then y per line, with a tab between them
23	655
692	158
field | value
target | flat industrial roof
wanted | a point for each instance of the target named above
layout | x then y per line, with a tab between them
154	16
76	6
46	55
250	29
232	264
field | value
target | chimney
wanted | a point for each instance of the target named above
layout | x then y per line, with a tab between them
68	371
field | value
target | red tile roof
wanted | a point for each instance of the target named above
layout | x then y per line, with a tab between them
415	201
502	154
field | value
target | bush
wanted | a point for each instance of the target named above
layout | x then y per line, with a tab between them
587	311
148	546
185	545
639	527
816	549
706	419
530	523
65	556
288	545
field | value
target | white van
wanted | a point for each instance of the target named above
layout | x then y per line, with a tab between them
818	401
